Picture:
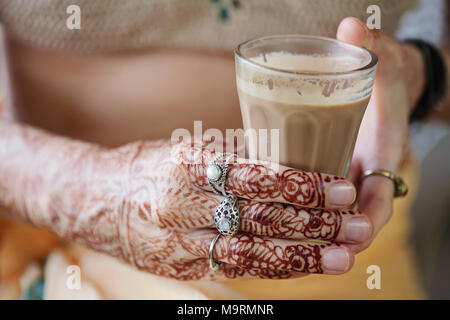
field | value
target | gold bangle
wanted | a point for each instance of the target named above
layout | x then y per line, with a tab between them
400	187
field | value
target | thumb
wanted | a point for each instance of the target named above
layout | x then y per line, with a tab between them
354	31
392	55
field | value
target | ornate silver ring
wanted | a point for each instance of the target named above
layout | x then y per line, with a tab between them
226	217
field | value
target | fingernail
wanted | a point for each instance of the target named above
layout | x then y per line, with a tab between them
341	193
336	260
358	229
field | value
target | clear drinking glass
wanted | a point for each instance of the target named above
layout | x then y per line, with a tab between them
314	90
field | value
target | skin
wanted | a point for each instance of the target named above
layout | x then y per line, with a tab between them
383	137
148	204
104	175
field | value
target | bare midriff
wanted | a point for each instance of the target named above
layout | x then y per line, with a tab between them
115	99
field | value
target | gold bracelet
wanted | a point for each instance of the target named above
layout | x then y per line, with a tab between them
400	187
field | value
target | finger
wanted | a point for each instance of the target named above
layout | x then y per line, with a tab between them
198	269
354	174
193	265
388	50
290	222
256	181
291	186
354	31
251	252
229	271
375	199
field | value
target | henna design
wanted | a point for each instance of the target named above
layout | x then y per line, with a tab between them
249	251
253	181
138	203
289	222
234	272
257	255
297	187
260	182
290	185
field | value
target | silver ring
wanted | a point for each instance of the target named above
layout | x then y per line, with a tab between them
216	173
226	216
213	263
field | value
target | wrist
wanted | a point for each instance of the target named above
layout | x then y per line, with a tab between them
85	199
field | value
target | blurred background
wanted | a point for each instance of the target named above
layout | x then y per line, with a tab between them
431	143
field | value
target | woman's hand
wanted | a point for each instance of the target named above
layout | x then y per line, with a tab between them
383	137
150	205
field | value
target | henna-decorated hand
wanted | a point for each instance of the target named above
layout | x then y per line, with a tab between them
158	213
150	205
